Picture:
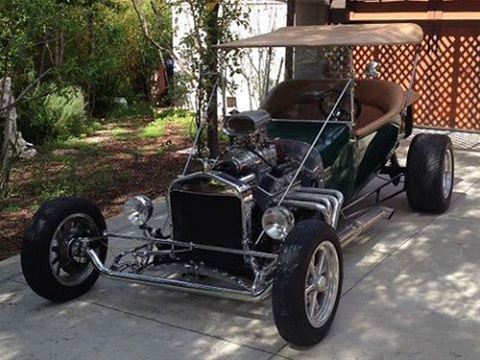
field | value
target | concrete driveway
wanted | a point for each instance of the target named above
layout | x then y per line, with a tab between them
411	291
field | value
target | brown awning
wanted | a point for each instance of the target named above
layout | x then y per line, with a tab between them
338	35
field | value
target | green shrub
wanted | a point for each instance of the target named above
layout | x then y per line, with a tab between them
59	115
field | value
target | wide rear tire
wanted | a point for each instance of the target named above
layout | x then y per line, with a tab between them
53	264
303	280
430	173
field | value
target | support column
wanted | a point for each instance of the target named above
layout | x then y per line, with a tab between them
289	51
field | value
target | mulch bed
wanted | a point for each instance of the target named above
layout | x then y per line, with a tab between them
149	173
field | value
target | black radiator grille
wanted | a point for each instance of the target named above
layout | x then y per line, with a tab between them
208	219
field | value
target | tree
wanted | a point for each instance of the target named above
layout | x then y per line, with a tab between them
210	22
16	47
93	48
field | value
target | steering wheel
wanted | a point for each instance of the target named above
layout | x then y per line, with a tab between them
327	101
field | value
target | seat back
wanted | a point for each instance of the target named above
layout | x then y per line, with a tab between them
380	101
298	99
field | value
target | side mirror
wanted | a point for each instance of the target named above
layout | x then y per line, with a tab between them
373	69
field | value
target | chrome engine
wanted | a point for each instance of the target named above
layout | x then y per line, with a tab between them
251	152
224	206
241	161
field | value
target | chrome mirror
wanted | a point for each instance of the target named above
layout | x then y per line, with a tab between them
373	69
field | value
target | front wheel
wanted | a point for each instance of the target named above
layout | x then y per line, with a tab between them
307	283
54	262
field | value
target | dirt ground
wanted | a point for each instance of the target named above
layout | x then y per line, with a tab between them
110	166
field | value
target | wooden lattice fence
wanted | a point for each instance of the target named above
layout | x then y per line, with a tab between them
449	69
448	77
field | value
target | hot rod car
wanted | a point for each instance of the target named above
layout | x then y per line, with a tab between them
269	216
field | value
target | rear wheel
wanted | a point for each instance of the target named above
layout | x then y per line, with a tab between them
53	259
308	283
430	173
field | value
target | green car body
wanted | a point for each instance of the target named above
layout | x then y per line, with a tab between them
349	161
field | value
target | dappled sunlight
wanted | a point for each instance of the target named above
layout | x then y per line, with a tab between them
33	327
97	138
106	166
413	286
242	323
430	279
467	205
454	294
411	290
405	311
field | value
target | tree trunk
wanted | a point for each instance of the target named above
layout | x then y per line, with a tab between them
5	100
91	91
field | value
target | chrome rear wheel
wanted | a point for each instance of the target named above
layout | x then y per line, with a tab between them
447	181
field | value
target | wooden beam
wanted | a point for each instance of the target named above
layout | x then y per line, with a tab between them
406	6
405	16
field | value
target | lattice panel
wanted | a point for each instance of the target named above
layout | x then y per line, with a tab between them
337	58
325	62
448	77
468	95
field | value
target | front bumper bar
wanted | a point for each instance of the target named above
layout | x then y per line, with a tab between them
250	295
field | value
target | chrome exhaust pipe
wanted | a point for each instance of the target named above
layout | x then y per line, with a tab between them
175	284
326	201
351	231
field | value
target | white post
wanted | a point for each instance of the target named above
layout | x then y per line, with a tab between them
352	89
413	78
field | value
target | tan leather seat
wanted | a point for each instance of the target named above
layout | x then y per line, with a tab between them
381	101
295	99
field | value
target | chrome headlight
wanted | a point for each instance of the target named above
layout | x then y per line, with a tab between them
277	222
138	210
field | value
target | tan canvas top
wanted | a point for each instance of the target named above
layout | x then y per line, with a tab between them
339	35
